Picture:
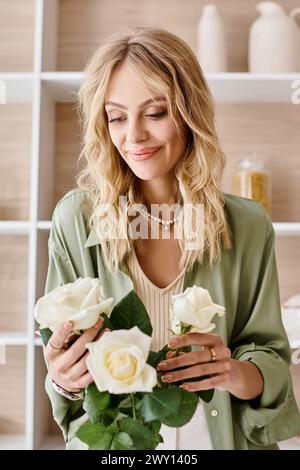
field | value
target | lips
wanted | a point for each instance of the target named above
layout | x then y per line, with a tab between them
143	154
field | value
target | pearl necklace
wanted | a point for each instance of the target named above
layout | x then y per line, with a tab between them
165	223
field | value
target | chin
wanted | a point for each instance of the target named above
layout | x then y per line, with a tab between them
147	175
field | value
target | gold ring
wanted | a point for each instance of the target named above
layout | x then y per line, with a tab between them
213	354
53	347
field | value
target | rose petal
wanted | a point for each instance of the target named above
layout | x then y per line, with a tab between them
194	307
81	301
132	344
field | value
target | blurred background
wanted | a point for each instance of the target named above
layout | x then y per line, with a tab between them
250	54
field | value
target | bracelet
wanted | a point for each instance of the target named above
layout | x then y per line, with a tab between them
65	393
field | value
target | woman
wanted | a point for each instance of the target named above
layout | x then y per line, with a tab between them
149	136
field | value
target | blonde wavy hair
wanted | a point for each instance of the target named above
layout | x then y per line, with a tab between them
167	65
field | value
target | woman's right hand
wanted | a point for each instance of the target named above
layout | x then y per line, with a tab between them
68	367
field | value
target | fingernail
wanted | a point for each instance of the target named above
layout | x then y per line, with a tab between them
185	387
68	324
162	365
166	378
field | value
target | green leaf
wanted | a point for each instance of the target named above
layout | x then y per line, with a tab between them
184	328
155	426
121	441
95	435
108	416
106	323
142	437
173	406
95	402
126	403
75	409
100	437
117	399
113	428
160	404
155	357
130	312
46	334
206	395
187	408
103	442
122	404
121	415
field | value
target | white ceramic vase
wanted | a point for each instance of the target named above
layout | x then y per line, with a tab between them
211	41
274	40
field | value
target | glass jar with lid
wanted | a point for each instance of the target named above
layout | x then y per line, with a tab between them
252	180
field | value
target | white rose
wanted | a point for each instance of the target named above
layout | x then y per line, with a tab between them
81	302
117	362
194	307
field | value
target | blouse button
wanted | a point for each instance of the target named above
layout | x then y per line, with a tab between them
214	413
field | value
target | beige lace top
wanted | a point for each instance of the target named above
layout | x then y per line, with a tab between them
194	435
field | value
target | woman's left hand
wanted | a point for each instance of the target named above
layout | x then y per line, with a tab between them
195	364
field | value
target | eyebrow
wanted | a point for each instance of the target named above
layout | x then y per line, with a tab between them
145	103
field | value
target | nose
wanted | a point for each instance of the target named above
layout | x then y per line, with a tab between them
136	131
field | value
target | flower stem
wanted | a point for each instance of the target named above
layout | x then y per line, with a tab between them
178	350
133	407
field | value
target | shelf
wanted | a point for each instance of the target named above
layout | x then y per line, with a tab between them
38	341
18	87
44	224
12	442
15	338
225	87
252	88
62	86
14	227
287	229
281	228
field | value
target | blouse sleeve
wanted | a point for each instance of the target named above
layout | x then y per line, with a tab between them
60	272
274	415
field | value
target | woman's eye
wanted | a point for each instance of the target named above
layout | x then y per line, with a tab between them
114	120
153	116
157	115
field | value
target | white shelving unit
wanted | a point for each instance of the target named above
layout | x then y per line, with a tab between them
226	87
18	86
42	88
14	338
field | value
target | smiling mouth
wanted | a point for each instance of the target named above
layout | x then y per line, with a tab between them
143	156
